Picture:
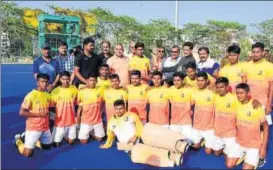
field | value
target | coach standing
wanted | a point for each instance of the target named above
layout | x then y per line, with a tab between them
48	65
87	62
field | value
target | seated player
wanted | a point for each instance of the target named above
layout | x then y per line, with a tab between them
191	78
112	94
203	116
89	117
225	118
103	79
35	108
157	99
64	99
180	98
249	141
137	93
126	126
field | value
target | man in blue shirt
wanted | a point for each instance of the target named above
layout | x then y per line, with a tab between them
46	64
206	64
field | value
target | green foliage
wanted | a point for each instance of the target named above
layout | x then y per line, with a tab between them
217	35
266	33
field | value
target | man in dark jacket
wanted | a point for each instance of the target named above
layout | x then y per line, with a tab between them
180	66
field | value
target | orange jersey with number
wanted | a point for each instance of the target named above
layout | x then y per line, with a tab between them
137	100
258	77
159	105
180	105
203	116
249	122
90	101
110	96
37	102
225	115
64	100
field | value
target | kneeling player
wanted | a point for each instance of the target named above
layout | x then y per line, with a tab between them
88	115
225	118
35	108
126	126
203	117
248	139
64	99
180	98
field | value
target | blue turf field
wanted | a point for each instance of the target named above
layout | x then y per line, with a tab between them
16	81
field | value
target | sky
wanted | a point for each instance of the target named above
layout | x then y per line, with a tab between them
245	12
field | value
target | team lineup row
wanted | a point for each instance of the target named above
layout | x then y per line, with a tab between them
199	106
211	112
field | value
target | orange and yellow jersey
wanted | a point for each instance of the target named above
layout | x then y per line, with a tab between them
90	101
180	105
225	115
158	99
203	117
37	102
64	100
249	122
141	64
103	83
137	100
124	127
234	73
258	77
110	96
193	83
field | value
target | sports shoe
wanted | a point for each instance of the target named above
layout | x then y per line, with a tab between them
16	137
261	163
177	158
23	137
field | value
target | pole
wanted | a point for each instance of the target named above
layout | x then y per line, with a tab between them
176	18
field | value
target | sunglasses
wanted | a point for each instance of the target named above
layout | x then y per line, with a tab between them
174	51
161	51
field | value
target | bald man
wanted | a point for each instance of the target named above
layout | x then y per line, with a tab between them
119	64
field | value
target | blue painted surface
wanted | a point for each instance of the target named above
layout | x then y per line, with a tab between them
17	80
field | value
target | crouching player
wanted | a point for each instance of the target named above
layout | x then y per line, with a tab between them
35	108
203	116
126	126
89	117
181	113
64	99
249	142
225	118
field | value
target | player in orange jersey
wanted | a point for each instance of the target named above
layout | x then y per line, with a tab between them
157	98
248	138
203	116
89	116
64	99
137	93
35	108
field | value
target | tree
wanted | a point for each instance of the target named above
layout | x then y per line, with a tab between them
87	20
265	34
196	33
19	33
